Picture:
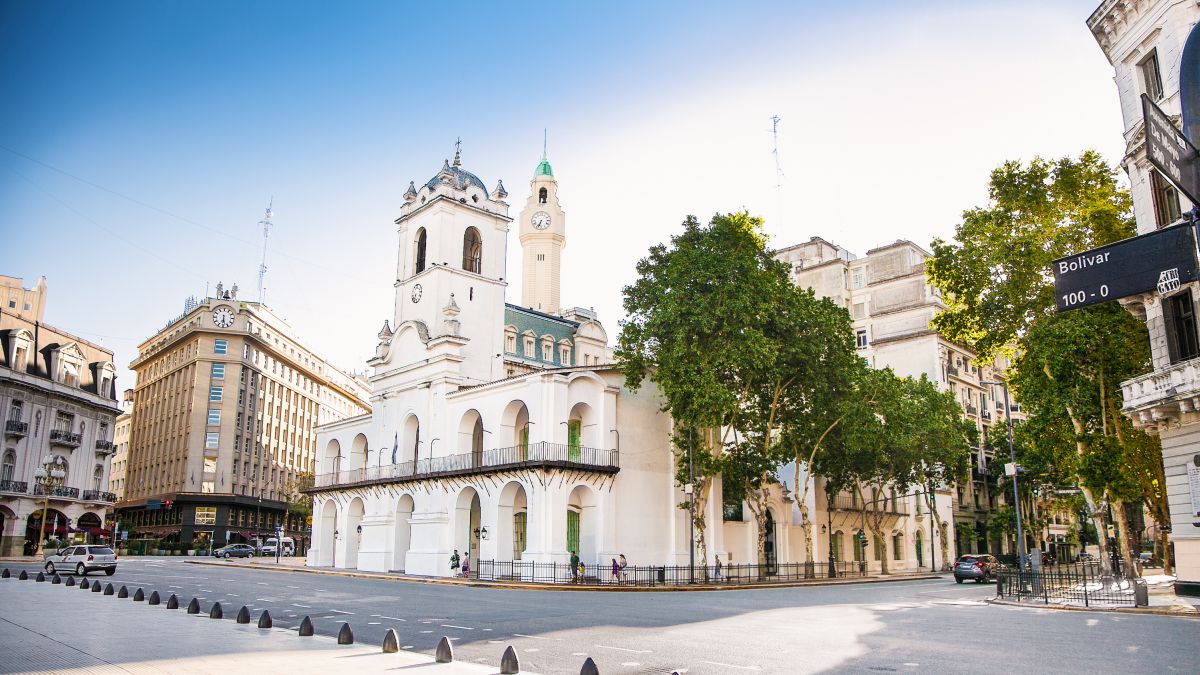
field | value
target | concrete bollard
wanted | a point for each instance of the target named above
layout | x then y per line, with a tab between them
123	593
138	595
215	612
56	579
40	577
70	580
445	653
96	587
509	664
84	584
172	602
153	599
193	607
22	576
108	589
4	574
345	635
589	667
391	642
264	620
306	627
243	615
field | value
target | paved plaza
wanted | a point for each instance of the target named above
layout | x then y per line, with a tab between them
909	626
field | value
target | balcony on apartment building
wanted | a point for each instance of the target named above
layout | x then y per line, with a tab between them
99	496
105	448
65	438
1163	395
14	487
847	501
16	428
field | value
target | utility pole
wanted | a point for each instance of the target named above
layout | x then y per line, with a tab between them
266	229
1012	458
691	490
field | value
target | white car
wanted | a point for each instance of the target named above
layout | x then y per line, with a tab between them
82	559
289	547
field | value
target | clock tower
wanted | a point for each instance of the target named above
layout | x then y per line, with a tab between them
543	238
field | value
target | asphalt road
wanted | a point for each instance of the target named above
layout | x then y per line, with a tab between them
912	626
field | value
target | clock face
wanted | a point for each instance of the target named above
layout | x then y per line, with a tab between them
223	317
416	293
541	220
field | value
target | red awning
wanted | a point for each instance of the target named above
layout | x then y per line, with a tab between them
98	531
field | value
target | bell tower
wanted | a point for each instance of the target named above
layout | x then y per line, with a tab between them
543	238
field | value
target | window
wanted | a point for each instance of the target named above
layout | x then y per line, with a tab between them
12	304
206	515
98	478
510	343
19	360
835	545
8	467
211	439
216	393
472	251
218	371
1151	79
1180	314
70	374
565	355
1166	200
878	548
859	278
14	411
897	547
860	339
542	195
859	311
210	465
221	346
421	240
547	351
529	346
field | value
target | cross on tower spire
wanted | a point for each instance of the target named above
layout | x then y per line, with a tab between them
458	152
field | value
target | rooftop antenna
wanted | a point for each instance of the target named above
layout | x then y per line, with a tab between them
543	143
266	228
775	120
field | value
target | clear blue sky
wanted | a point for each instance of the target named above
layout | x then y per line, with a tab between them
140	142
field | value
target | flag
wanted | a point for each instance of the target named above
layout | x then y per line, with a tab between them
395	446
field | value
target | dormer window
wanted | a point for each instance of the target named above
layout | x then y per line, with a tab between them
70	374
529	340
542	195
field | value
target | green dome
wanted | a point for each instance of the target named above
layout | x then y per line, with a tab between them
543	169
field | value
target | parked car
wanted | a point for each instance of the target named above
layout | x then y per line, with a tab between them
289	547
235	551
980	567
82	559
1149	560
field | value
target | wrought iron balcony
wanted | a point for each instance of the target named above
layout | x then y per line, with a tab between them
69	492
532	456
105	447
971	410
99	496
979	474
67	438
847	501
14	486
16	428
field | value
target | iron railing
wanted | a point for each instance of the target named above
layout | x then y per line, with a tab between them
1071	584
71	492
103	446
16	427
521	456
845	501
99	496
19	487
63	437
661	575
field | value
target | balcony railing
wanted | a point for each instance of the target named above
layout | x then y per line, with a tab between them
67	438
849	502
99	496
16	428
19	487
1162	395
70	492
104	447
486	461
979	474
971	410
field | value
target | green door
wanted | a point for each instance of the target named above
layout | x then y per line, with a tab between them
523	445
520	524
573	530
574	427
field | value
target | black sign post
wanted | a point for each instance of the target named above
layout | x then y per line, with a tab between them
1170	151
1159	261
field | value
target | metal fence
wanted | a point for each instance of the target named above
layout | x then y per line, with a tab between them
1081	583
660	575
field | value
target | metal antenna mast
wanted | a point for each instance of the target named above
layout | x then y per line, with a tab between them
266	228
775	120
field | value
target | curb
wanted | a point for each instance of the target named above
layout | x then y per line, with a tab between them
568	587
1156	611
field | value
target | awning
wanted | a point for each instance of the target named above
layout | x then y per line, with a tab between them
98	531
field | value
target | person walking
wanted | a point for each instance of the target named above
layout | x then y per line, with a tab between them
616	572
622	564
574	567
454	563
466	567
717	567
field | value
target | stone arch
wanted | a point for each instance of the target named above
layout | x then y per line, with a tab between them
403	541
420	244
410	439
327	533
358	452
354	518
919	541
512	518
582	425
8	521
583	527
331	462
514	429
770	552
472	258
470	436
467	517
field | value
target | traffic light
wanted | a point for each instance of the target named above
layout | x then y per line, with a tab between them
167	504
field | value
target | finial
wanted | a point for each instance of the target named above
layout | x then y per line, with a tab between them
458	152
499	192
543	144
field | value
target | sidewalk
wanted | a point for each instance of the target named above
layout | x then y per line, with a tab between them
61	629
298	565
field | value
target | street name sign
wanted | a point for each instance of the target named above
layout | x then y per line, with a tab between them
1170	151
1159	261
152	504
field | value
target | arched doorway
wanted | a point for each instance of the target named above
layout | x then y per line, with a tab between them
514	430
332	462
411	437
56	527
404	511
769	559
7	543
470	437
353	534
467	514
512	519
327	535
90	524
581	428
358	452
582	527
920	549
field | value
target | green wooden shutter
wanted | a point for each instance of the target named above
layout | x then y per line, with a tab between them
574	429
572	530
523	446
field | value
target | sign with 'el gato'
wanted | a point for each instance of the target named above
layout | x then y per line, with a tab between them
1159	261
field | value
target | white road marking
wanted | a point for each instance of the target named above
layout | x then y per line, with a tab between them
206	590
233	595
533	649
623	649
407	647
372	623
293	587
532	637
174	586
487	629
578	653
304	606
262	583
426	631
630	664
338	611
448	625
389	618
730	665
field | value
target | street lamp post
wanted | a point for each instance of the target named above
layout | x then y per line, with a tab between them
1012	457
48	476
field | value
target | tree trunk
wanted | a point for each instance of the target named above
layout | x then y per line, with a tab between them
1123	538
942	528
699	503
1164	545
1096	513
806	523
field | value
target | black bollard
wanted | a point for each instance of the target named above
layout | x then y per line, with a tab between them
123	593
264	620
138	595
509	665
84	584
108	589
172	602
22	576
589	667
306	627
445	653
345	635
215	612
40	577
56	579
153	599
96	587
391	642
70	580
243	615
4	574
193	607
